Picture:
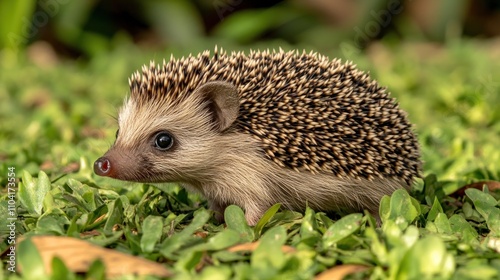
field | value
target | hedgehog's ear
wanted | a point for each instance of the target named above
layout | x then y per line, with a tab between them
223	102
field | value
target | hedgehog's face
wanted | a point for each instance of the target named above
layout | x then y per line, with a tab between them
165	141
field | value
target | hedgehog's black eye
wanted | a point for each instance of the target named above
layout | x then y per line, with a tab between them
117	131
164	141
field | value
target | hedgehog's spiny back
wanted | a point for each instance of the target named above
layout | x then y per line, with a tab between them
309	112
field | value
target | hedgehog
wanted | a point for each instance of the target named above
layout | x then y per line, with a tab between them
262	128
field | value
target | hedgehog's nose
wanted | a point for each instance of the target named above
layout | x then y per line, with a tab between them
102	167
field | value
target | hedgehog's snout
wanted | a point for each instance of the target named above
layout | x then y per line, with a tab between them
103	167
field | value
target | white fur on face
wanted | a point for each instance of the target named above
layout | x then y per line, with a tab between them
187	121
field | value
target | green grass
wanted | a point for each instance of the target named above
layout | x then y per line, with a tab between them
56	119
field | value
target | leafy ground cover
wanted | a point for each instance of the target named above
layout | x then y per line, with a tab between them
57	117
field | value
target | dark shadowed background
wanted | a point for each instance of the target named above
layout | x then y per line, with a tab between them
77	29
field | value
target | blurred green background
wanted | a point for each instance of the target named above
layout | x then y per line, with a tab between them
64	66
78	29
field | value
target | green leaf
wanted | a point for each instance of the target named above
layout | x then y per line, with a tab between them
476	195
402	210
417	206
470	213
177	240
105	241
486	206
377	247
341	229
461	227
151	233
30	260
221	240
78	188
226	256
411	236
73	228
95	217
477	270
216	273
427	258
167	187
442	224
493	221
189	261
242	270
32	191
115	215
52	223
431	186
435	210
12	20
235	219
60	271
265	218
90	202
268	256
308	227
385	208
48	202
133	240
77	200
97	270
